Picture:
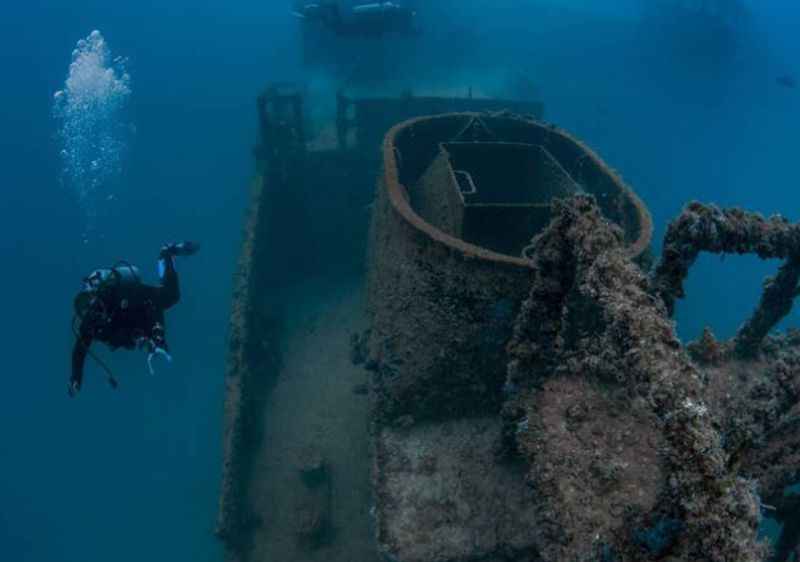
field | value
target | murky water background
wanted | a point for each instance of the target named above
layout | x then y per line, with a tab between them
134	474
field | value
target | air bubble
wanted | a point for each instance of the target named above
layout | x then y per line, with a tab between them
91	124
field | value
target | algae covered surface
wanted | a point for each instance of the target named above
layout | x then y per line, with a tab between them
361	386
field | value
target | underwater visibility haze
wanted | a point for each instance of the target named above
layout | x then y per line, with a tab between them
125	126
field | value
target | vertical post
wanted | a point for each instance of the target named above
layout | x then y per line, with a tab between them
342	124
776	302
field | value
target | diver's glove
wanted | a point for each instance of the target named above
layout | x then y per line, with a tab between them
73	388
185	248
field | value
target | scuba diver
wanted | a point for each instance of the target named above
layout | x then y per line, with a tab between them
372	19
116	308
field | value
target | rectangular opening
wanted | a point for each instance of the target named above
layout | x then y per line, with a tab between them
506	173
506	190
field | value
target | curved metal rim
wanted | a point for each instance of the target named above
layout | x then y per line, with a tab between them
398	196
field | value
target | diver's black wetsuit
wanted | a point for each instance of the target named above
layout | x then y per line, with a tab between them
127	317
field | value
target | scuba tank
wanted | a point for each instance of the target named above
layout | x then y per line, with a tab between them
103	283
100	286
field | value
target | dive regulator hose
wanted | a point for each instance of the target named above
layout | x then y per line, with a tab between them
112	381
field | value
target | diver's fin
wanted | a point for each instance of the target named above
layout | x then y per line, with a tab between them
185	248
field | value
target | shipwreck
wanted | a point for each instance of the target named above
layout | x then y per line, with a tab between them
473	357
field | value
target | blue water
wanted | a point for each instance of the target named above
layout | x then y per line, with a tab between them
133	474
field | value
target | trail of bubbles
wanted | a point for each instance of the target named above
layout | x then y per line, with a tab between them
92	131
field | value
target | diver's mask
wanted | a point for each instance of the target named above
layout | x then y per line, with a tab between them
91	287
98	279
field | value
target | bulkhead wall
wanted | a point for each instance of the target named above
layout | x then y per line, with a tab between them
442	309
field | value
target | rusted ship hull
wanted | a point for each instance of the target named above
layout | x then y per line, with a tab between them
525	396
304	247
442	309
